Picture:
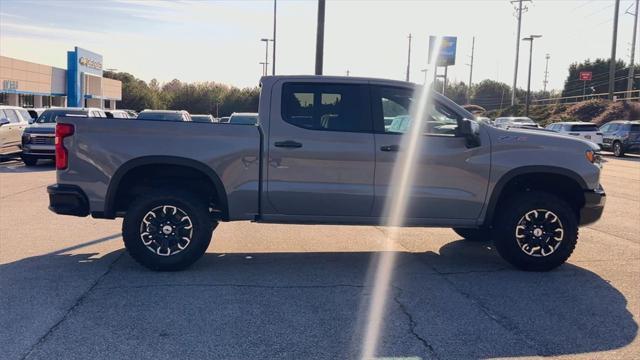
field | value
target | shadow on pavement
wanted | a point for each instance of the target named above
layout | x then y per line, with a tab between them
462	302
17	166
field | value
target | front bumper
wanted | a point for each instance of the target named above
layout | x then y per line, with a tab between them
593	206
67	200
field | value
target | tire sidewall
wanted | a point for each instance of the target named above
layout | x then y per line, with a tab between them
202	230
617	149
506	242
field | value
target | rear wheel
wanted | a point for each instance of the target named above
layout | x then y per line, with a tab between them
536	231
29	160
482	234
167	230
617	149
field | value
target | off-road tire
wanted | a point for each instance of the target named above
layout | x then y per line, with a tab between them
197	211
513	211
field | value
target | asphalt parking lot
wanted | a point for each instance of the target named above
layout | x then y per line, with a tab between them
68	290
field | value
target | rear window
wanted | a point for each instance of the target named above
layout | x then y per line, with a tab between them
635	127
585	127
50	116
160	116
325	107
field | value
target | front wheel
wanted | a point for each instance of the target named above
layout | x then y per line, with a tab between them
29	160
167	230
617	149
536	231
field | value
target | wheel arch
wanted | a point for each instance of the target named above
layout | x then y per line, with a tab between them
137	163
524	179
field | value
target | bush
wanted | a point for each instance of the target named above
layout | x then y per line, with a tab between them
587	110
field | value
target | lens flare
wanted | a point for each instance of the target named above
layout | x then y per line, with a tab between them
398	196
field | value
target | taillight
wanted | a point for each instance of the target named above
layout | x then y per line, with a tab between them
62	156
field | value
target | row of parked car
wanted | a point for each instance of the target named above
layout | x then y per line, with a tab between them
30	133
619	137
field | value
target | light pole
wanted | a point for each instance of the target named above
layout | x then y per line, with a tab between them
530	40
273	61
425	71
266	54
320	37
264	67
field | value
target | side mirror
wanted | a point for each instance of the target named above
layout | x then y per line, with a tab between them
4	121
470	130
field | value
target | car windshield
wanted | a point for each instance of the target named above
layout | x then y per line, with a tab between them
50	116
243	119
161	116
585	127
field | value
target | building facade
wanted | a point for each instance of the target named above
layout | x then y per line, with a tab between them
28	84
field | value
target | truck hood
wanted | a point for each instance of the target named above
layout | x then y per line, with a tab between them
542	138
41	128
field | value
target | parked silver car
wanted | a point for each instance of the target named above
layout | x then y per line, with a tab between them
13	121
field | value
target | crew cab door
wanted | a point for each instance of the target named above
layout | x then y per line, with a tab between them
451	179
320	150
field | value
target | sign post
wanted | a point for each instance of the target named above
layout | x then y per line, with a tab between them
585	76
446	56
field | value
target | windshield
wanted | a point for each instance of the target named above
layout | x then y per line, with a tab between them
244	119
523	121
50	116
161	116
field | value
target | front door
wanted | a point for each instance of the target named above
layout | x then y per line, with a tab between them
321	154
450	178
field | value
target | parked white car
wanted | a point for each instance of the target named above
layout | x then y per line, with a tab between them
515	122
13	121
584	130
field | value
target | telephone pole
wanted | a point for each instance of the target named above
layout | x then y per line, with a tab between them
409	59
473	46
546	73
273	61
612	62
320	37
633	48
519	10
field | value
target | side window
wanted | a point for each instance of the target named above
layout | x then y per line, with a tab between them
613	127
393	109
2	114
12	116
605	128
326	107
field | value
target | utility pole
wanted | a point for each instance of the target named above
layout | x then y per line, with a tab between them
530	39
473	45
409	59
519	10
320	37
546	73
612	62
633	53
273	68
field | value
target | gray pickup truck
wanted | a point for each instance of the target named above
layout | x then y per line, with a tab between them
323	153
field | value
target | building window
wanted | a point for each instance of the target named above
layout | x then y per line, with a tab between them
25	100
4	99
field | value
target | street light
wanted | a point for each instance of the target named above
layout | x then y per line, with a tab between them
266	54
264	67
530	39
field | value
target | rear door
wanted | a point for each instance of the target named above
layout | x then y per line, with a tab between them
320	150
13	130
450	179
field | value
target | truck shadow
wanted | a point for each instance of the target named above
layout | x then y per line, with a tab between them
17	166
462	302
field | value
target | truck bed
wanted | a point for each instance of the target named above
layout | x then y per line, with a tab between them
102	148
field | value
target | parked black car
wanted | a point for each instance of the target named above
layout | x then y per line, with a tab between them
621	137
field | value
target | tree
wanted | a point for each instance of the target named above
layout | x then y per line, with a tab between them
491	94
599	68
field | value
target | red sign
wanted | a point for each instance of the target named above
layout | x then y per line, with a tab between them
585	75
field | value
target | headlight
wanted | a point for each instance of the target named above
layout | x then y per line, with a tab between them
26	138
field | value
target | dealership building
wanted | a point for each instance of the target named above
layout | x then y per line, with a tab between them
28	84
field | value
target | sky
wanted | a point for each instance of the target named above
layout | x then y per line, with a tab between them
220	40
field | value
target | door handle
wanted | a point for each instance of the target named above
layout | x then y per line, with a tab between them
288	144
390	148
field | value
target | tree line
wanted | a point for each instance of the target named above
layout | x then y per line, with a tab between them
222	100
196	98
